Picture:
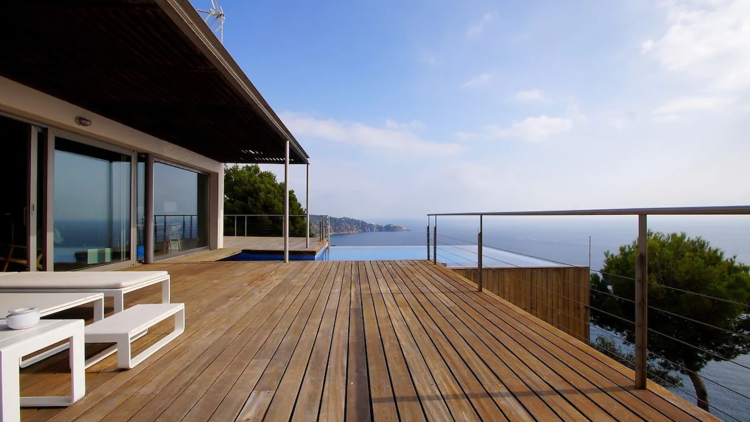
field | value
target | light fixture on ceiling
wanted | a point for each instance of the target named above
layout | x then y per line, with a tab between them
82	121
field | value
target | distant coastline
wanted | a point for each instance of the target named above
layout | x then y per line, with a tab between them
346	225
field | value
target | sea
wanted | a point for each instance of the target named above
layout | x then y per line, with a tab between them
583	241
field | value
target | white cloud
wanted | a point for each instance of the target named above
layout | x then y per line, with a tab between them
688	104
575	113
360	135
708	40
476	28
480	80
414	124
647	46
533	129
530	95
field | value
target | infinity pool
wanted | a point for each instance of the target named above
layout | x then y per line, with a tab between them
452	256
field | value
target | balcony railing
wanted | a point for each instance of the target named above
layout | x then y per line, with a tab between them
272	225
547	300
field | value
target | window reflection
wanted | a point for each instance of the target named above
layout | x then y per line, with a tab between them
91	206
180	210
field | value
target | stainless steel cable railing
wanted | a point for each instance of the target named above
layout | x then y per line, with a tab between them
456	252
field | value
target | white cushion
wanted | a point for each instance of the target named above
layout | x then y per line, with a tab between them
79	280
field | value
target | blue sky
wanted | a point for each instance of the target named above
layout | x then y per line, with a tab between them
409	107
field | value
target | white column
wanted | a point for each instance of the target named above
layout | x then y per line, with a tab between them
286	201
307	208
216	210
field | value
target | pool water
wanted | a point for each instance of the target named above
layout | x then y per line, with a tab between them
452	256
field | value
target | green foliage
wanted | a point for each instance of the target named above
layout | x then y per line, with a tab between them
657	370
248	190
687	264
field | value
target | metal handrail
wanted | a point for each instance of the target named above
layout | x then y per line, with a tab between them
721	210
324	226
641	269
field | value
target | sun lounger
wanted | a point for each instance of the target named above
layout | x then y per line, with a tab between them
111	284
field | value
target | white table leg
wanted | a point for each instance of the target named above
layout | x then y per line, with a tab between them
99	310
119	301
10	389
77	360
77	375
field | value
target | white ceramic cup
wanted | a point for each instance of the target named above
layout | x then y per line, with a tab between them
22	318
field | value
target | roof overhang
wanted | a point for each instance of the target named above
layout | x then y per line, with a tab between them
153	65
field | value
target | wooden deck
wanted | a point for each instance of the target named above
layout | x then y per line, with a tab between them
262	245
390	340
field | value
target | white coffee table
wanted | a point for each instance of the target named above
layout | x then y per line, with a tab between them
48	304
14	344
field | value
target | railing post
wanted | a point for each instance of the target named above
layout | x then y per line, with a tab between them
307	207
641	305
245	226
479	257
434	244
428	238
235	226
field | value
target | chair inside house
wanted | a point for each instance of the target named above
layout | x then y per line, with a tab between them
172	242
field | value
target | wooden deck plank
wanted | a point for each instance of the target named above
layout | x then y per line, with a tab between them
306	322
404	392
282	405
428	393
262	349
450	388
357	385
404	340
381	390
587	362
508	391
311	390
209	327
445	342
333	403
508	316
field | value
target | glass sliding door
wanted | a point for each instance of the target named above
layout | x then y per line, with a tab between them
17	162
92	206
180	210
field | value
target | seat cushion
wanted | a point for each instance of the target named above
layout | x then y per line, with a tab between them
80	280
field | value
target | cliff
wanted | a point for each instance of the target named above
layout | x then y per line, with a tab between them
349	225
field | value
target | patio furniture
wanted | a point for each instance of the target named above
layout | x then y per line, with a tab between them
111	284
15	344
48	304
122	327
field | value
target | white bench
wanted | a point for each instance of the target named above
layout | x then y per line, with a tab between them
17	343
123	327
114	284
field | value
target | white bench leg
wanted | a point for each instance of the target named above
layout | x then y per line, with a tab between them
165	293
124	359
77	377
119	301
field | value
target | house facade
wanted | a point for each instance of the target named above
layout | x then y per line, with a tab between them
116	119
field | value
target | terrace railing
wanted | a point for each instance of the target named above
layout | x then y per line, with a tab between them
452	246
272	225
